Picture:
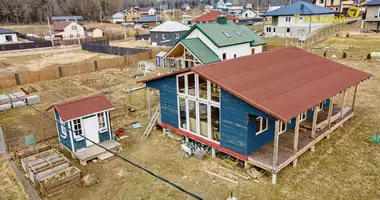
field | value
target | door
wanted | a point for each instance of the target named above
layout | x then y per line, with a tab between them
253	51
90	126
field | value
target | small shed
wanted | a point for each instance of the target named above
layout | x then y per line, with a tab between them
160	61
94	32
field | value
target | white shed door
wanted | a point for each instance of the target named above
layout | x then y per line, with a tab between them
91	130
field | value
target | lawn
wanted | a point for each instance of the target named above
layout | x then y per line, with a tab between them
9	186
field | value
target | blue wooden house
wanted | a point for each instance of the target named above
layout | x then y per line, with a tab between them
83	122
265	109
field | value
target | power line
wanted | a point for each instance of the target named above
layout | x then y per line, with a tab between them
115	154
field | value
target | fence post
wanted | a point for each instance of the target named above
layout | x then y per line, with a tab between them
60	72
96	65
17	78
150	55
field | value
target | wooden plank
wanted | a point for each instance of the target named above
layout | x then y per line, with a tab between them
221	177
235	173
26	152
313	127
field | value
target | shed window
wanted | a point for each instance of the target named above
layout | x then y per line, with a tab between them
283	127
261	125
77	128
63	128
303	116
177	36
102	122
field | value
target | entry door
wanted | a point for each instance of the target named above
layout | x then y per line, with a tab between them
253	51
90	126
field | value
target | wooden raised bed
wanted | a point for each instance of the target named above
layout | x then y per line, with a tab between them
23	153
60	181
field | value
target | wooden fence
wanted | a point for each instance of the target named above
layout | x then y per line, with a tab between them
73	69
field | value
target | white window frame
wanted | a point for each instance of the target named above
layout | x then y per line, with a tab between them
176	35
208	102
73	27
77	138
261	124
286	127
63	128
305	114
163	36
321	105
288	19
100	116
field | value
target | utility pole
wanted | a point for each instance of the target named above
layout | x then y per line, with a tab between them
76	23
101	20
51	36
125	32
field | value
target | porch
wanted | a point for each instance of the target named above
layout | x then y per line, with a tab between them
289	145
94	151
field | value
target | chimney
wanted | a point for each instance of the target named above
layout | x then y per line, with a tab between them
221	19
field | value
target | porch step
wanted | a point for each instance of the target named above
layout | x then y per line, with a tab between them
105	156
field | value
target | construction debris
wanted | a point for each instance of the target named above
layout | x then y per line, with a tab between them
4	99
17	96
5	107
89	180
18	104
222	177
235	173
254	173
34	99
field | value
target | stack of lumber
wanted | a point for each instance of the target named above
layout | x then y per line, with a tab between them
39	147
4	99
34	99
60	180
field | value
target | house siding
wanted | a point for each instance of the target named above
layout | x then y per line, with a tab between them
3	39
64	141
170	40
168	99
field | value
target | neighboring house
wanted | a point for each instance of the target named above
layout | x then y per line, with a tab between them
213	42
7	36
340	6
68	30
220	4
247	13
147	11
265	109
285	23
233	9
186	7
168	33
67	18
274	6
94	32
132	15
371	22
212	17
82	122
151	21
118	17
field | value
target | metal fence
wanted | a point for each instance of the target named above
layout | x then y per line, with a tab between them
36	43
103	46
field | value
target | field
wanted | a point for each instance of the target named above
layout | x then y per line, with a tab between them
10	188
346	166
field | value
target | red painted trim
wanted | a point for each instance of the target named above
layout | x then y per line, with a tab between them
206	142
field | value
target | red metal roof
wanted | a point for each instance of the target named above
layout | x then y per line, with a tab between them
82	107
212	16
283	82
60	25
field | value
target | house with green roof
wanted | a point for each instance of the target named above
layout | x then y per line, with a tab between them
212	42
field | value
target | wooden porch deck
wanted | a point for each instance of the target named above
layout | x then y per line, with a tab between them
263	157
94	151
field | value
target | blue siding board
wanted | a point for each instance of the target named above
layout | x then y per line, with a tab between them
65	141
168	99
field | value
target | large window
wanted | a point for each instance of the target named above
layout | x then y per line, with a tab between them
261	125
198	105
320	106
102	122
77	128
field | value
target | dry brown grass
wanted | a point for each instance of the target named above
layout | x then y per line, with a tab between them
10	189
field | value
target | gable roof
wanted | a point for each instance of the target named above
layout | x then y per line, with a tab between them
60	25
373	3
282	83
149	18
170	26
6	31
200	50
145	9
82	107
212	16
301	8
215	32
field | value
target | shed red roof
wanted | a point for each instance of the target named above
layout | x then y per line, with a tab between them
282	83
82	107
212	16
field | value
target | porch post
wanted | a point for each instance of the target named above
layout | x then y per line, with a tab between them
353	101
330	111
343	103
313	128
297	130
275	151
148	99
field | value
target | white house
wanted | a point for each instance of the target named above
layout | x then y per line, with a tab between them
83	122
211	42
94	32
274	6
297	20
247	13
68	30
7	36
118	17
147	11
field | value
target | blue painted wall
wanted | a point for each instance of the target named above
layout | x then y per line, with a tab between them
168	99
65	141
237	133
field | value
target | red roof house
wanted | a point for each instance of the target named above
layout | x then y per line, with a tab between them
212	17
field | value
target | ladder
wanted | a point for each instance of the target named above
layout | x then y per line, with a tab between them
152	122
